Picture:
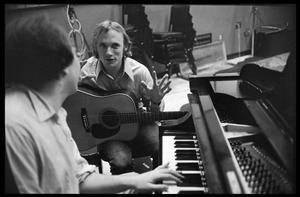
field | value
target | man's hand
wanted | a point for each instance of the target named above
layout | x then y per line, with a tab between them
148	180
159	90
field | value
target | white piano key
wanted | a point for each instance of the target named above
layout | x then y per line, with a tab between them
169	155
173	189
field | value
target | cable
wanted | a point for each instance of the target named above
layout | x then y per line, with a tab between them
73	21
239	40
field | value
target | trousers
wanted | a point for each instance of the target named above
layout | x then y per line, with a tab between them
120	154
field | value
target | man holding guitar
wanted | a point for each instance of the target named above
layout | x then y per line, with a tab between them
112	69
40	151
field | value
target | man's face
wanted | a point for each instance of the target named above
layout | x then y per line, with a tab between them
110	49
73	74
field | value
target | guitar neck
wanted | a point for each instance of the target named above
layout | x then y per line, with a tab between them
146	117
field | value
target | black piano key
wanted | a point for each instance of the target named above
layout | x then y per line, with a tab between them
191	180
187	166
190	184
185	152
184	137
186	157
191	192
184	144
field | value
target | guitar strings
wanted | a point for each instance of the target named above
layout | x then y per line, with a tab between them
138	113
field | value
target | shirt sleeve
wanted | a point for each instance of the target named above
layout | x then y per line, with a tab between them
83	168
155	108
22	159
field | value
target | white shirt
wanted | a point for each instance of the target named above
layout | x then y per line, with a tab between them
42	153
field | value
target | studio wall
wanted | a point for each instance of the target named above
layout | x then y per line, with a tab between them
220	20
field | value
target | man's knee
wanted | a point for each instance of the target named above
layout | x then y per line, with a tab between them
121	164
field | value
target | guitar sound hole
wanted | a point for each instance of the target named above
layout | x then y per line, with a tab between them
110	118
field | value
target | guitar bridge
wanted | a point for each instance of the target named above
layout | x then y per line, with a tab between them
85	120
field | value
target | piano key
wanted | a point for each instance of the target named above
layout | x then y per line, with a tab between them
170	149
173	165
191	180
186	166
183	144
184	156
173	160
186	152
192	183
185	137
190	192
173	189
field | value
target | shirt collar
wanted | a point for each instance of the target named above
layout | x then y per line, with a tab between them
127	68
43	109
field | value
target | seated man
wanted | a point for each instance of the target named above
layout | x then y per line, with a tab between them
111	69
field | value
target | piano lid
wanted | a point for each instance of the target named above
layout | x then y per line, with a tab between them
254	82
272	103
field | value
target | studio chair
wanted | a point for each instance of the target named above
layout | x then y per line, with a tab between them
169	50
181	21
136	24
175	47
137	27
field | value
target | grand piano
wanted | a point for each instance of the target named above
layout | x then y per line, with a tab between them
240	136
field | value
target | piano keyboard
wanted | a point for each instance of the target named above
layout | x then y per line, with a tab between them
183	153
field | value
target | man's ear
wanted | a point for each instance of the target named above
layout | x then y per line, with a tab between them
63	72
125	47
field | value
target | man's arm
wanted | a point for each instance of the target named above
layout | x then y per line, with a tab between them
156	107
99	183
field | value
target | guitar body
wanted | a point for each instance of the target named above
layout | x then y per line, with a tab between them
95	116
86	110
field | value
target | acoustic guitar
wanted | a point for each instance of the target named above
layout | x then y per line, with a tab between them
98	116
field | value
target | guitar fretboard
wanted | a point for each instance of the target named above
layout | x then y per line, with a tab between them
144	117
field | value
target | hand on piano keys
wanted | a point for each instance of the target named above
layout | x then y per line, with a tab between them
183	153
153	180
